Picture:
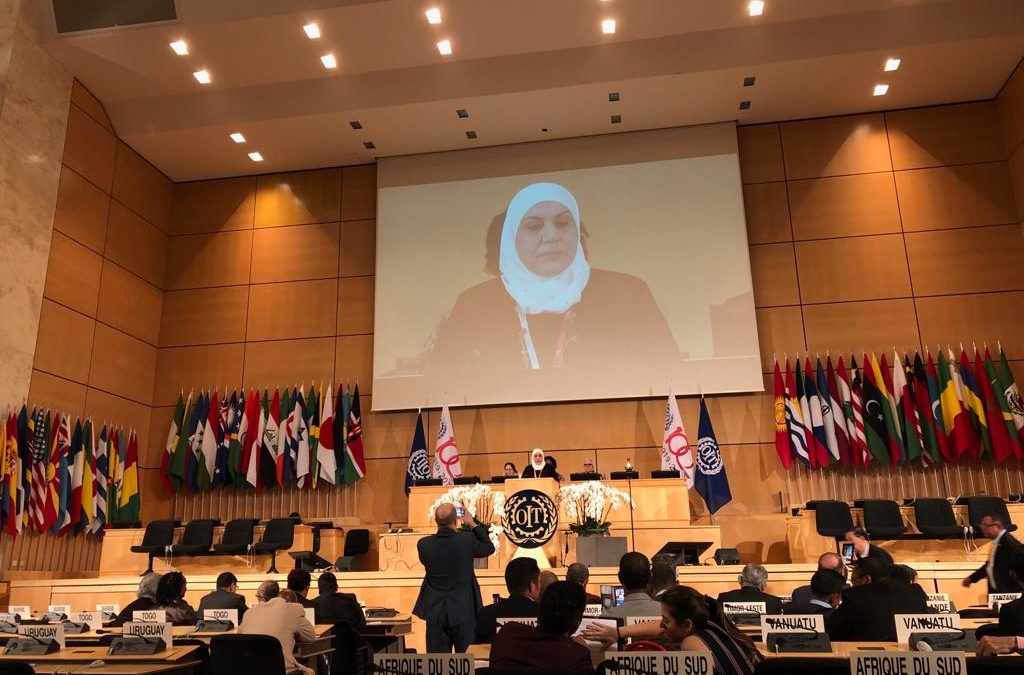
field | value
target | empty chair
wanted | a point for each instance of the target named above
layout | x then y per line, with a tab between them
277	536
352	654
357	542
158	536
246	654
935	518
237	537
833	518
985	505
196	539
883	519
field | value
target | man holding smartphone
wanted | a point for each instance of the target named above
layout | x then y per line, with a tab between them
449	598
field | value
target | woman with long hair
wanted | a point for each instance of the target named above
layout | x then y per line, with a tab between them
170	597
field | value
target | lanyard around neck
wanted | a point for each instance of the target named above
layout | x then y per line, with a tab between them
563	338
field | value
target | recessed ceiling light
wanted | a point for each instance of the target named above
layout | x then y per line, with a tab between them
471	135
255	156
312	30
369	145
237	137
355	124
891	65
462	113
608	26
433	15
202	76
329	61
616	119
613	97
180	47
756	7
445	47
749	81
881	89
744	105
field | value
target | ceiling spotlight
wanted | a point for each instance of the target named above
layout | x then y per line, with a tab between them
445	47
255	156
369	145
881	89
616	119
749	81
608	26
756	7
433	15
462	113
613	97
312	30
471	135
891	65
744	105
329	61
180	47
202	76
355	124
237	137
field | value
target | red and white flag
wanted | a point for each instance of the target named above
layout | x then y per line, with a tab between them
447	465
675	448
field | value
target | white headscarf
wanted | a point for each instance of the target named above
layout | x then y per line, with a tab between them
538	465
534	293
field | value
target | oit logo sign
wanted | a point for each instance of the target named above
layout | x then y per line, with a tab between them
531	518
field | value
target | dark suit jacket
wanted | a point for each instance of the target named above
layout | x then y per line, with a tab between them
772	604
879	553
339	608
449	587
806	608
1001	569
520	646
219	599
866	613
136	605
802	594
487	617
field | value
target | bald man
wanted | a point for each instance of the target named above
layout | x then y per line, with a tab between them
450	595
826	561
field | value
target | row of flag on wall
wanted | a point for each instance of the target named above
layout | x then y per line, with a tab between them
61	476
259	440
919	410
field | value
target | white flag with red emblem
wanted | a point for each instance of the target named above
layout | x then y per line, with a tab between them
447	466
675	449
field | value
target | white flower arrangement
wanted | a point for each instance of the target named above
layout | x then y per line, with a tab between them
588	505
481	502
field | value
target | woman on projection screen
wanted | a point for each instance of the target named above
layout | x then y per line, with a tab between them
548	309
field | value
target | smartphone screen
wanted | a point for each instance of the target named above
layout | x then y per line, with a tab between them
848	552
459	511
620	595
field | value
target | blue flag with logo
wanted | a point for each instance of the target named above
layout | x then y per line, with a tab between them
419	463
710	480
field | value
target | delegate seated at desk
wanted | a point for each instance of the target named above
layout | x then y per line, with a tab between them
285	621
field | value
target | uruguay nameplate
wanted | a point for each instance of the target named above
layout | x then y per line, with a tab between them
663	663
150	616
46	631
424	664
924	623
792	623
151	631
907	663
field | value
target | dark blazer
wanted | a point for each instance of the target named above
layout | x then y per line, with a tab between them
136	605
219	599
866	613
802	595
772	604
806	608
1011	618
879	553
1001	569
487	617
449	587
519	646
339	608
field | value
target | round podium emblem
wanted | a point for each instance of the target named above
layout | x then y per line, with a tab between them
531	518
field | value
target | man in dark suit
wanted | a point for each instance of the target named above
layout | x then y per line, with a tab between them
522	579
863	548
1000	559
826	561
752	580
548	646
298	582
450	595
867	611
826	592
225	597
580	574
334	607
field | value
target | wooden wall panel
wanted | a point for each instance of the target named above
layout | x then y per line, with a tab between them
81	210
844	206
206	260
214	206
985	317
201	367
90	149
122	364
973	260
142	188
288	363
136	245
204	316
853	327
90	105
780	331
57	393
295	253
355	361
773	269
73	275
129	303
861	268
1016	166
296	309
358	248
767	209
760	153
945	135
355	306
64	343
359	192
1010	107
835	146
957	196
298	198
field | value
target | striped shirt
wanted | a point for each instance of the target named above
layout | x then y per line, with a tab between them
729	657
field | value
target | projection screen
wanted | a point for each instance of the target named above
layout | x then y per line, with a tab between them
588	268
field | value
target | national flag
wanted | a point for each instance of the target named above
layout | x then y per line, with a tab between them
1011	393
828	416
115	473
246	433
128	497
195	460
935	392
418	467
101	465
40	454
11	476
853	412
794	420
341	433
355	463
176	464
325	448
285	470
312	408
839	415
1003	444
52	485
86	465
932	438
974	404
254	445
711	480
883	381
1005	412
818	438
229	418
876	407
300	443
447	465
271	438
62	479
909	423
210	442
3	475
960	434
76	459
782	447
675	445
804	408
173	434
235	476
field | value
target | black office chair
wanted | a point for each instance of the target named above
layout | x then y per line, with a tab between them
246	654
833	518
540	671
883	519
158	536
15	668
352	654
935	518
201	654
197	537
785	665
994	665
357	542
237	537
984	505
277	536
